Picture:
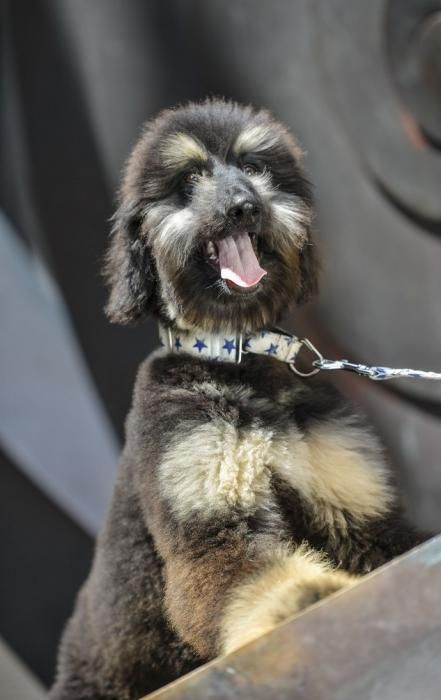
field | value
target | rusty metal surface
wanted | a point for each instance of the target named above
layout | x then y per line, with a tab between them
380	640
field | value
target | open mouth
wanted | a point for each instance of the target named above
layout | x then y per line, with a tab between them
235	259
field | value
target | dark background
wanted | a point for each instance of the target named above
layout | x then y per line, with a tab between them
358	82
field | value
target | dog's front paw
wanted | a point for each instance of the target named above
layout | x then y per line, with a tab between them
321	587
284	588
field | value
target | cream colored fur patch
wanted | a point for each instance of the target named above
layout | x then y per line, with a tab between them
280	591
291	217
337	468
179	149
291	221
216	467
169	231
255	138
263	184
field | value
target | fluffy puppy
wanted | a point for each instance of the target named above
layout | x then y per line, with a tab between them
244	492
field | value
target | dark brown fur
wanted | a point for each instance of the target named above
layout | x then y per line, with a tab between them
152	606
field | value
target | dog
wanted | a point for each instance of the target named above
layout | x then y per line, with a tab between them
245	492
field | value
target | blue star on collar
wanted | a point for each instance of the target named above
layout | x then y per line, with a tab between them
246	344
178	343
263	333
289	341
272	350
200	344
229	345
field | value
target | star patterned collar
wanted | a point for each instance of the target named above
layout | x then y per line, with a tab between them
273	343
229	347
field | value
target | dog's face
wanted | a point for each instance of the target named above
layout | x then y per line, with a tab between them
213	228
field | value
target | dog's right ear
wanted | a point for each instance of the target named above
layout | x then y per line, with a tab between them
129	268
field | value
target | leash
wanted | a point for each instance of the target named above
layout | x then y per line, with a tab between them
275	343
376	373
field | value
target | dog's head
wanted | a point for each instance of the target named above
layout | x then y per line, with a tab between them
213	227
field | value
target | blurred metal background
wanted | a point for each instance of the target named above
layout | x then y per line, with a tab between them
359	83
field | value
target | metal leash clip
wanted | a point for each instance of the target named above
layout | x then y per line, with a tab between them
374	373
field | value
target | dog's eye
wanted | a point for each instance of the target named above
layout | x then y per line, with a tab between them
249	169
188	181
191	177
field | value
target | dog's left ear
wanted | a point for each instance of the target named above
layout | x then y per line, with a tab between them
310	268
128	268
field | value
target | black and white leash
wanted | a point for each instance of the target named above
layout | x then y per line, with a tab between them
376	373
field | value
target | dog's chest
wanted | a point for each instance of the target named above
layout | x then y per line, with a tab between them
228	460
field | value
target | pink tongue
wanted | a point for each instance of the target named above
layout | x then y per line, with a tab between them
238	262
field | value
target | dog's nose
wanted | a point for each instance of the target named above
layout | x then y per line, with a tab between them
244	211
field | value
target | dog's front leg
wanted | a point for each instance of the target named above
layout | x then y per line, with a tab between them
230	572
222	599
231	569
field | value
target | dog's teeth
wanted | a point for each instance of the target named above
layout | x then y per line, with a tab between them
211	251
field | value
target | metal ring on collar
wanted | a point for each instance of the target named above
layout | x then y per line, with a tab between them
239	348
307	343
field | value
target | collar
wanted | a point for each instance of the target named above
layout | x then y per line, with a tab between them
226	347
274	343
